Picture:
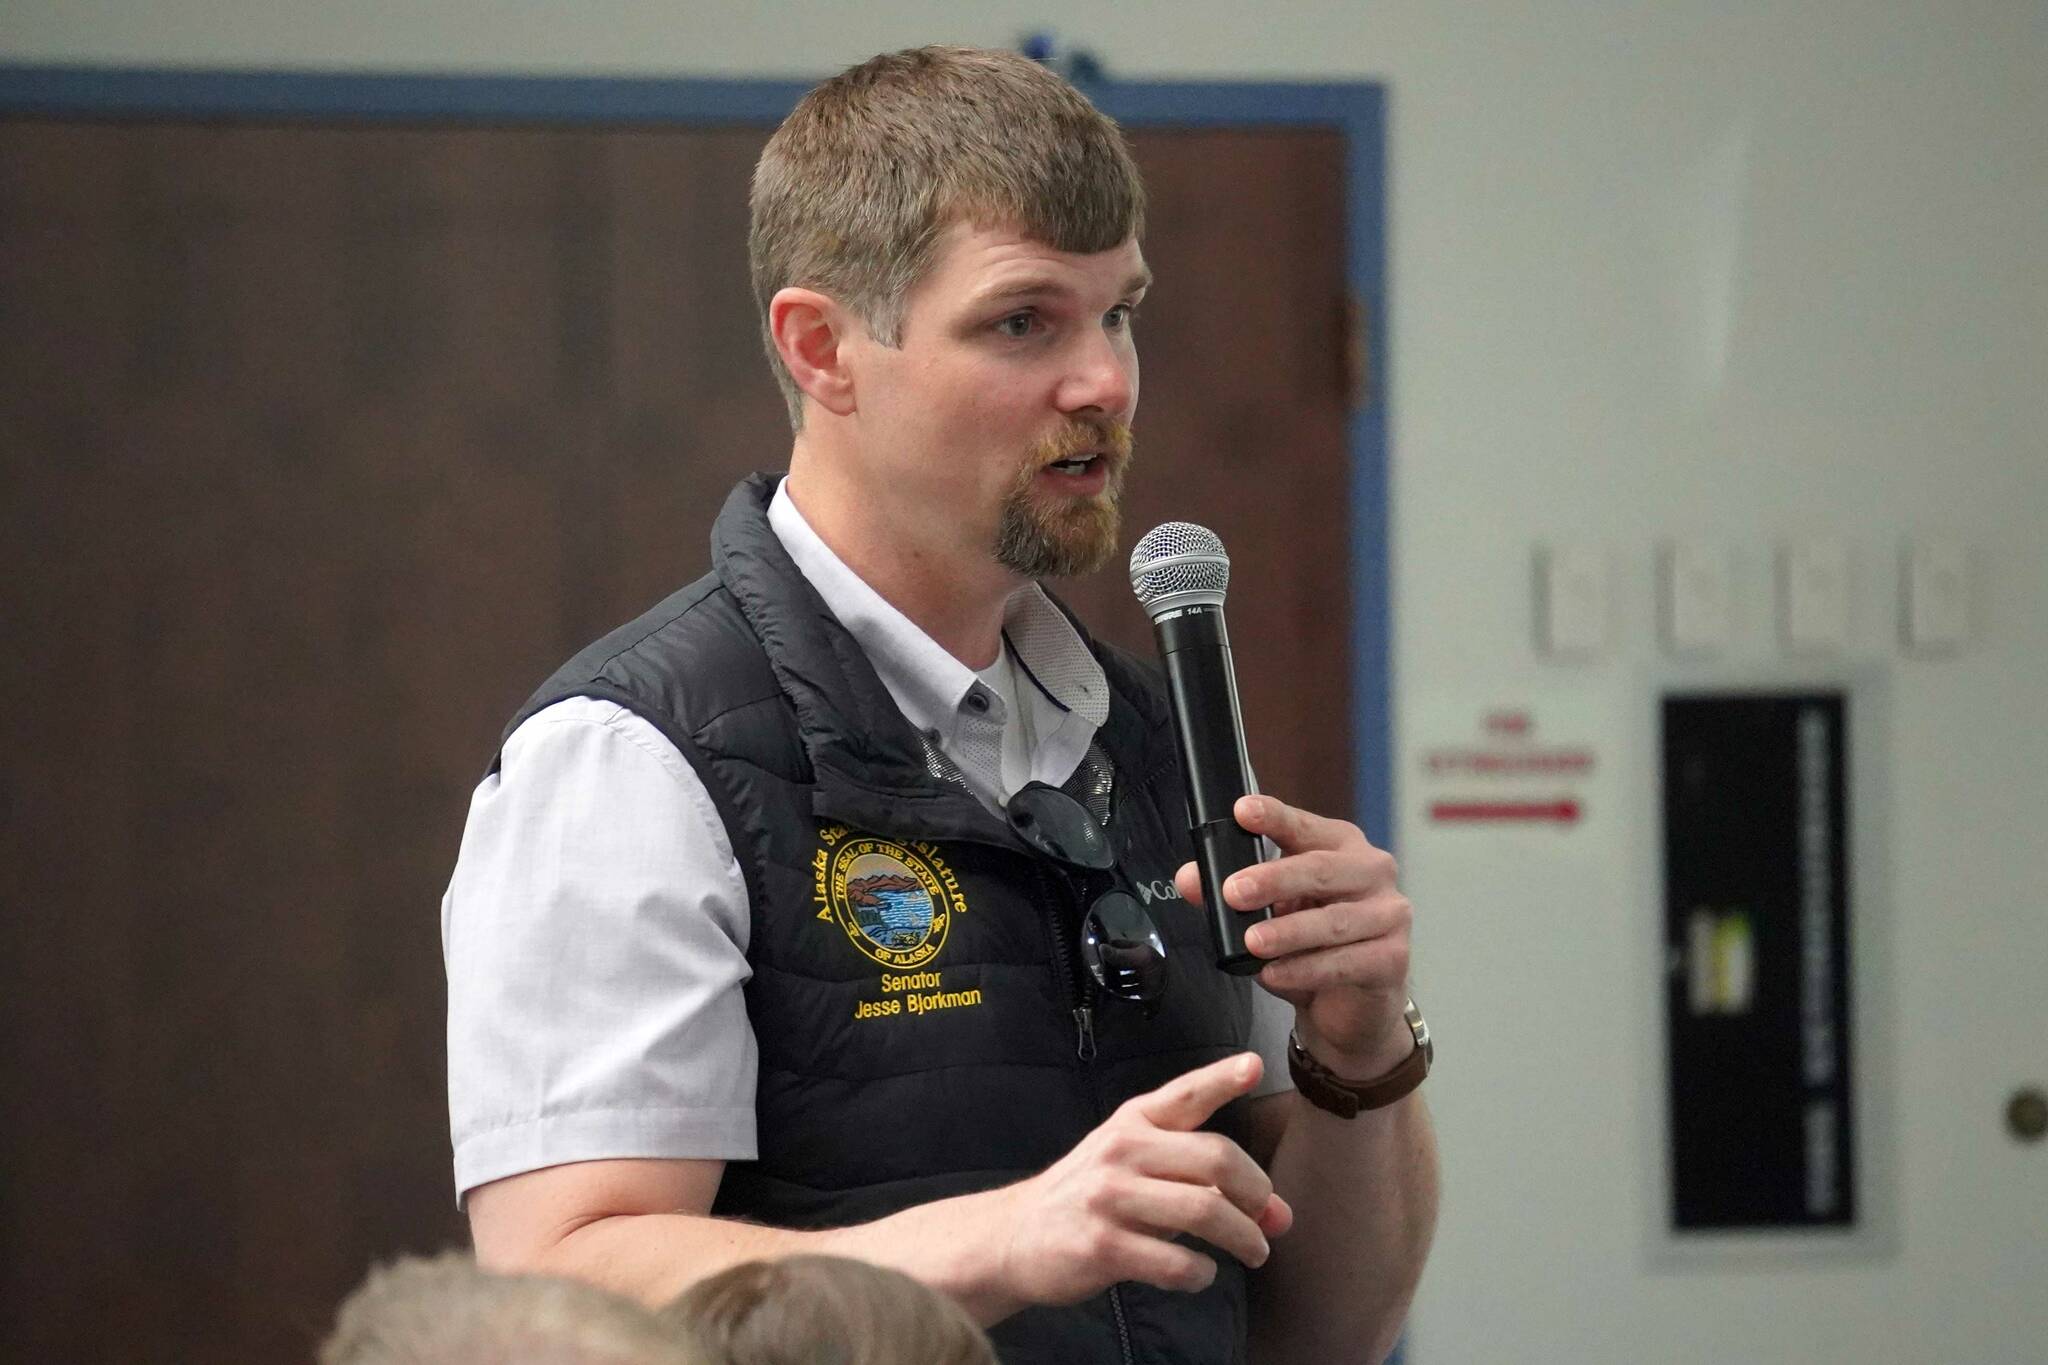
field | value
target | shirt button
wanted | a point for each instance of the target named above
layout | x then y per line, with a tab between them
977	703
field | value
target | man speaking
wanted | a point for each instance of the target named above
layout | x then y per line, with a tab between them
809	911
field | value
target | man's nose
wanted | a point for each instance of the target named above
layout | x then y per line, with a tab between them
1104	377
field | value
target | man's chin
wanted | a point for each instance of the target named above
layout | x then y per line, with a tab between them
1060	543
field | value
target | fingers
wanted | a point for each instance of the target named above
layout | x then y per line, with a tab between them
1173	1207
1315	877
1291	827
1110	1209
1196	1183
1164	1265
1321	860
1185	1103
1276	1218
1329	926
1203	1160
1381	964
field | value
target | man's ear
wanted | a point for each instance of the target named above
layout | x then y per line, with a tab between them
809	329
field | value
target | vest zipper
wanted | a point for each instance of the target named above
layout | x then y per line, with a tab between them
1077	991
1116	1291
1123	1327
1064	968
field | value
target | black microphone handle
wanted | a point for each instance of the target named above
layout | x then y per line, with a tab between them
1202	687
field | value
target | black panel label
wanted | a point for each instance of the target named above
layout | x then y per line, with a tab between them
1756	913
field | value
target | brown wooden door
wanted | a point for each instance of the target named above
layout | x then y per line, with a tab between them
319	447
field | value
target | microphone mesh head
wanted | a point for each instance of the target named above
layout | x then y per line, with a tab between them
1179	564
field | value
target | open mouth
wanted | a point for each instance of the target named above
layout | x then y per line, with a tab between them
1079	464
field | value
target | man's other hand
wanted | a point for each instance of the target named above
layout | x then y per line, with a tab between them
1111	1208
1337	945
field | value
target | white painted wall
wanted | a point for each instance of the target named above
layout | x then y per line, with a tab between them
1731	271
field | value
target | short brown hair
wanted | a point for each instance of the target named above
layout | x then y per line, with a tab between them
853	190
448	1311
826	1310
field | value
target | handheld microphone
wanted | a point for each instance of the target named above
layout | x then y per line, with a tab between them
1180	573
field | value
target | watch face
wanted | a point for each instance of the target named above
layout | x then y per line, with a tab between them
1420	1028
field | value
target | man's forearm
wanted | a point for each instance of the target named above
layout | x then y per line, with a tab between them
1121	1205
655	1256
1364	1192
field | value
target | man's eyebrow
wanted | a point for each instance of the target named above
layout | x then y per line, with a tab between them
1024	287
1040	286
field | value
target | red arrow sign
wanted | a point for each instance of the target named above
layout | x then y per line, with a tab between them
1553	812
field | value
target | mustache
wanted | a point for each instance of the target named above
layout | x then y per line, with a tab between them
1081	436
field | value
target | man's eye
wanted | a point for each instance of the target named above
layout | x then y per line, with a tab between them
1123	315
1016	325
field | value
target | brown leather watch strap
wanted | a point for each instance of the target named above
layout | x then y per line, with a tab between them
1347	1099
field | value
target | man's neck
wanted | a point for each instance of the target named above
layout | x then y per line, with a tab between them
959	605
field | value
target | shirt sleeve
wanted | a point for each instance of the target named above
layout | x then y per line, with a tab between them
595	932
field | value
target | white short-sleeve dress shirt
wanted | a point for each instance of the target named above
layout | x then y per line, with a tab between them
596	924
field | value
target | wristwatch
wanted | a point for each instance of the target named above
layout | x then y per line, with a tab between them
1347	1099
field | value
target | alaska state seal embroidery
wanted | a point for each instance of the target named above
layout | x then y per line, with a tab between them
894	901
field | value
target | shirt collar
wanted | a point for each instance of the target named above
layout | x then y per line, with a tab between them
928	684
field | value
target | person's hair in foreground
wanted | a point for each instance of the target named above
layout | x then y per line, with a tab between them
826	1310
854	189
447	1311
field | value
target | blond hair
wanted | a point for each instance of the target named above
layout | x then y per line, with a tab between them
853	190
447	1311
826	1310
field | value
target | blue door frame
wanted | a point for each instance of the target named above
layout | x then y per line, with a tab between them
1355	110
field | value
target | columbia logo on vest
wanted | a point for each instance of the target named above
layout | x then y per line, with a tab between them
1158	889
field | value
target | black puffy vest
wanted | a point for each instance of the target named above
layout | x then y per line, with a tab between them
914	977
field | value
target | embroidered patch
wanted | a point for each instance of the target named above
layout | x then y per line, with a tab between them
894	901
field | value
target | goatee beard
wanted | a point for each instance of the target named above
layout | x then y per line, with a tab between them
1055	536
